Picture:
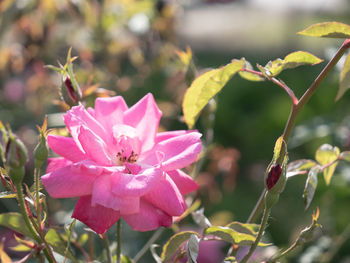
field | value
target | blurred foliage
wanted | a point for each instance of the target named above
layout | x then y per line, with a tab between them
129	48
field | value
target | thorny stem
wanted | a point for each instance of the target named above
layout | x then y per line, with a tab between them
29	225
263	225
295	110
37	198
118	242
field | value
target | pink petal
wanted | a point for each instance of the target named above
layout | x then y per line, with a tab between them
167	197
144	116
56	163
79	116
124	184
66	147
162	136
70	181
184	182
149	218
102	195
98	218
94	146
110	111
178	151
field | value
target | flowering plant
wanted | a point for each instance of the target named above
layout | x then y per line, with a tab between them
120	167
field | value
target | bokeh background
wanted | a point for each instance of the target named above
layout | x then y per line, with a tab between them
129	48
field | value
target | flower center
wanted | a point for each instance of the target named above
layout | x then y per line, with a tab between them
127	145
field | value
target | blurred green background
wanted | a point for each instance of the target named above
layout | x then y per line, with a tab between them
129	48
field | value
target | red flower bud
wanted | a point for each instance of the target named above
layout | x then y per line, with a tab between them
273	176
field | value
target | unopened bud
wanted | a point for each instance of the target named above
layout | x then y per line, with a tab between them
276	179
16	152
41	152
70	95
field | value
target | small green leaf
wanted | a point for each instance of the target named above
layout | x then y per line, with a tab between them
192	249
230	260
126	259
325	155
174	243
310	186
58	244
297	166
345	156
232	236
327	29
7	194
300	58
206	87
274	67
251	229
15	222
248	75
344	83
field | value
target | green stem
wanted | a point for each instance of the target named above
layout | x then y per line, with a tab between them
37	197
284	253
35	235
263	225
144	249
108	251
296	108
118	242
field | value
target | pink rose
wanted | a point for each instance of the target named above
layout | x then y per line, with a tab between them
120	167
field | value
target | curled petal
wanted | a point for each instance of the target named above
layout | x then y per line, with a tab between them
162	136
102	195
184	182
125	184
167	197
98	218
56	163
65	147
79	116
94	146
144	116
68	182
179	151
149	218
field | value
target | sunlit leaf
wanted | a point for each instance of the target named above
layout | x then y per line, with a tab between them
344	82
325	155
248	75
345	156
15	222
192	249
174	243
327	29
298	166
230	260
7	194
310	186
58	243
232	236
126	259
274	67
206	87
251	229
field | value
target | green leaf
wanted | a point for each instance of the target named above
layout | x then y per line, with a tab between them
206	87
295	167
325	155
230	260
251	229
300	58
345	156
15	222
310	186
292	60
58	244
7	194
232	236
327	29
174	243
248	75
126	259
344	83
192	249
